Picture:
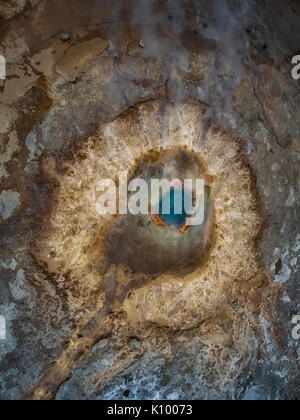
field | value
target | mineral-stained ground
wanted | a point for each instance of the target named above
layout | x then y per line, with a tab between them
104	307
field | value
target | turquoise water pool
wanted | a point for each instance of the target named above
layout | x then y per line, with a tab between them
177	201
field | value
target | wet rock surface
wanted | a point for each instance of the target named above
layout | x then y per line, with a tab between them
213	77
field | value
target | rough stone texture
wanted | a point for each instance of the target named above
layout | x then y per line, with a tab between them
9	201
74	61
214	77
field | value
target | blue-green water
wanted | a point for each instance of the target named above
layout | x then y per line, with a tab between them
175	197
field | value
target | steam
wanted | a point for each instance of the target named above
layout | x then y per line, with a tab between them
168	28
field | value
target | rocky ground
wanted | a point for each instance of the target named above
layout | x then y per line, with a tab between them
93	87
